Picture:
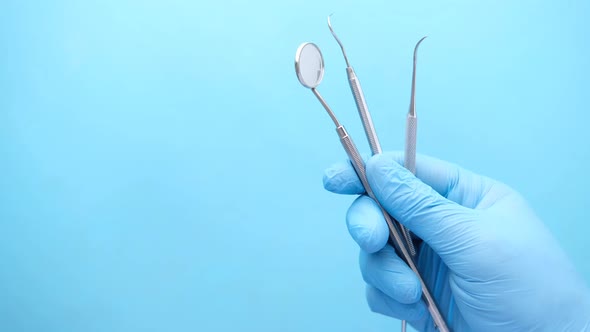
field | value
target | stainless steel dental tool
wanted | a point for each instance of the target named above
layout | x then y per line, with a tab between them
412	121
309	66
359	98
370	132
411	132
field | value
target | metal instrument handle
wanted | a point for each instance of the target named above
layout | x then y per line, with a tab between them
392	224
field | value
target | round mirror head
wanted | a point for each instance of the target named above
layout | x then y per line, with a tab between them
309	65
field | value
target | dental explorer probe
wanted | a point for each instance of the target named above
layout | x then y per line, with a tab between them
412	121
309	66
359	98
411	132
363	110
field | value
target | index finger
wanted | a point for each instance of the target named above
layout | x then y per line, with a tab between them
448	179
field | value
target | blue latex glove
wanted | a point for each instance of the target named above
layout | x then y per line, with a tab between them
489	262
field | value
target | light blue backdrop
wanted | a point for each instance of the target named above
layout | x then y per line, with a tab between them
160	165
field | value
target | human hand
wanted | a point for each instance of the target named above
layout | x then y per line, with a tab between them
487	259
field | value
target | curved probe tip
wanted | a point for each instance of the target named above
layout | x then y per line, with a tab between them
418	44
412	110
338	40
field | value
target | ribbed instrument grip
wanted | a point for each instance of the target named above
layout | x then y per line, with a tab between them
362	108
410	164
410	150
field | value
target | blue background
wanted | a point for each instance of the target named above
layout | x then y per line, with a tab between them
160	165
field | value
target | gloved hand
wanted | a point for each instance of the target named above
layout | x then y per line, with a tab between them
489	262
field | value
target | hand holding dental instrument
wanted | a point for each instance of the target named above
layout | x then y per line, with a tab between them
309	67
370	132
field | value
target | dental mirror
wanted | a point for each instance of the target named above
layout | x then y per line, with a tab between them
309	65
